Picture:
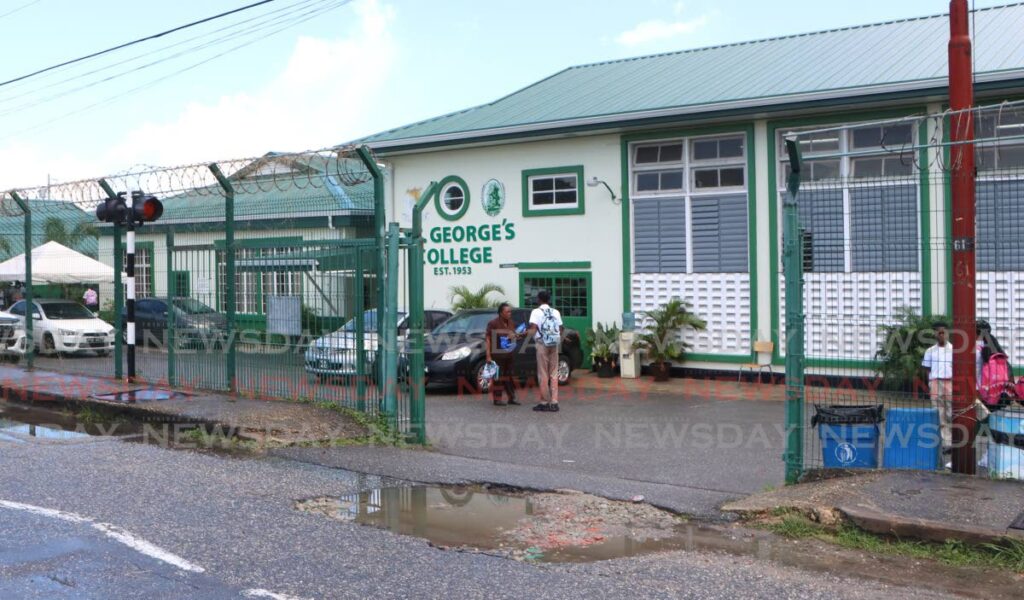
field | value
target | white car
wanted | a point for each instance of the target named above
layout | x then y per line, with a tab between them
334	355
64	326
12	338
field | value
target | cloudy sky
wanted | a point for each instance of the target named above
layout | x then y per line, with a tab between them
304	74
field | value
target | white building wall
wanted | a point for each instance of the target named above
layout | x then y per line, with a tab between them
595	236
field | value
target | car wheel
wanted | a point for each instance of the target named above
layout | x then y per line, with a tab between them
49	346
564	369
479	384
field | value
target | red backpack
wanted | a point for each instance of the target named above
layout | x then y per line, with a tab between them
996	385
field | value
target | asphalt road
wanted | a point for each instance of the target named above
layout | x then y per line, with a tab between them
103	518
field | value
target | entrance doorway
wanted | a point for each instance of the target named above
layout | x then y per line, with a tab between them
570	295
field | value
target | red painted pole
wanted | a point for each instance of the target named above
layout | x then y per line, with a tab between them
961	97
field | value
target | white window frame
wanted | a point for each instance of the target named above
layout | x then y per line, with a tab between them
532	179
689	166
846	180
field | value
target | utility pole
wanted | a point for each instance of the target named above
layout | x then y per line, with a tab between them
961	101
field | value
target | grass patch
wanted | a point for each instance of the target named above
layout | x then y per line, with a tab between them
1006	555
215	440
88	415
379	431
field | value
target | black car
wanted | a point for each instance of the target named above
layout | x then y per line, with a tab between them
454	351
194	322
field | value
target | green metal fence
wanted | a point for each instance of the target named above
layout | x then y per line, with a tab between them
869	265
272	277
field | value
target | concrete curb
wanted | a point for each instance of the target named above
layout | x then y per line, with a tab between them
925	529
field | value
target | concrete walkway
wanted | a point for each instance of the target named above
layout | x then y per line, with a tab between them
273	422
922	505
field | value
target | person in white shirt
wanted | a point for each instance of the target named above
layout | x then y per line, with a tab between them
547	328
938	362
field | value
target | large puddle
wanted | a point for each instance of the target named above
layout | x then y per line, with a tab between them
547	527
20	424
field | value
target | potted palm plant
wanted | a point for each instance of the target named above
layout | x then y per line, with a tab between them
661	340
604	348
464	298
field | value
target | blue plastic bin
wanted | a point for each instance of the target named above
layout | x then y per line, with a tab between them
913	439
849	435
1006	451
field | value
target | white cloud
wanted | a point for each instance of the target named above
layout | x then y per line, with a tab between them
659	29
318	100
322	97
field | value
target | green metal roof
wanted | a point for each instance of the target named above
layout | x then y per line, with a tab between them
896	56
310	188
12	226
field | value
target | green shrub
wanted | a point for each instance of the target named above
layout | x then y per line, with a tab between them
903	345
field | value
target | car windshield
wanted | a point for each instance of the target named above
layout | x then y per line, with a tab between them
471	323
191	306
369	322
66	310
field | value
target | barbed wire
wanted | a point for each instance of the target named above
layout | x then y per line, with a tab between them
337	169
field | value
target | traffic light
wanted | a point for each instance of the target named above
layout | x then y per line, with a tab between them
144	209
112	210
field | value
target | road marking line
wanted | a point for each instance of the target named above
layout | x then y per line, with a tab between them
269	594
112	531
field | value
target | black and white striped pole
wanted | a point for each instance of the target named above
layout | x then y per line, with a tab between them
129	303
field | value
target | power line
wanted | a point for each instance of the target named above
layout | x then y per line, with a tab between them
134	42
20	8
289	16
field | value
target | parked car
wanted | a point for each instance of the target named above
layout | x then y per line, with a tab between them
334	355
65	326
454	351
194	322
13	340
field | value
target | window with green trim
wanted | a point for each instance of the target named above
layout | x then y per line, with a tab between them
143	269
553	191
252	288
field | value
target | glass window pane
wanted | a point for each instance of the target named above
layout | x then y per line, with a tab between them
985	158
867	137
543	184
705	178
453	198
867	167
823	169
543	198
646	182
705	149
730	148
565	182
899	166
672	153
672	180
565	197
1011	157
897	135
731	177
646	154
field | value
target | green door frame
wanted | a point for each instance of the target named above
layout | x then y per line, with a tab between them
589	319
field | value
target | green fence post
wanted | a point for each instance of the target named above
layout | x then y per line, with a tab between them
793	268
27	222
118	289
172	292
417	382
389	326
360	330
379	225
229	267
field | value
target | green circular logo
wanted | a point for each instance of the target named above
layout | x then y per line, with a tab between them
493	197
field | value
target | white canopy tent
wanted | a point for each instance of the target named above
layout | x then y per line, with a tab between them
55	263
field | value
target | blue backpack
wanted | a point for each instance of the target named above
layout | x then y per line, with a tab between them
550	332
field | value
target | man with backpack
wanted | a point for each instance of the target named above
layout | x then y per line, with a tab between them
546	327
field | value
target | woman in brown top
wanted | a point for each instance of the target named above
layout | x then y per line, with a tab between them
501	346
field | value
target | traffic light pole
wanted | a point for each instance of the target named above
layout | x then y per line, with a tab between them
129	269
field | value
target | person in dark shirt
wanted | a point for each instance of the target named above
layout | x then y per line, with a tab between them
501	345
